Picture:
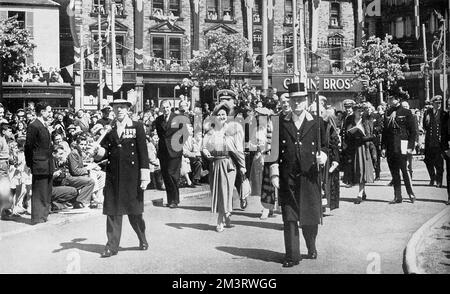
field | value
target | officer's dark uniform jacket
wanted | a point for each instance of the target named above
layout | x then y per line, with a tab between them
127	165
397	128
299	192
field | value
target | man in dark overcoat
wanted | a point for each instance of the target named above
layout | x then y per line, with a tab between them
445	146
127	176
433	155
170	151
296	177
39	158
398	141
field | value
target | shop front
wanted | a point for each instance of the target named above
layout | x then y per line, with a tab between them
336	88
18	95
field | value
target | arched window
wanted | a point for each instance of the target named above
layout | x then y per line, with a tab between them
335	14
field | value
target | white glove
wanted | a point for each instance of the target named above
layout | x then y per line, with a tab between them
275	181
321	158
144	185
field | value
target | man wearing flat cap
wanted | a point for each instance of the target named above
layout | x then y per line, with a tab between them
127	176
295	174
432	125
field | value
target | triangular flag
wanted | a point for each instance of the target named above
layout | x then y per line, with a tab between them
69	69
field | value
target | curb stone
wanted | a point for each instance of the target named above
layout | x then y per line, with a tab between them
411	259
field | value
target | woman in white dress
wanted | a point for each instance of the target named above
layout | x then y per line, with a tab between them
226	155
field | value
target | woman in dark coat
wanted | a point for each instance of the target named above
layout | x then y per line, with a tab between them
331	179
358	135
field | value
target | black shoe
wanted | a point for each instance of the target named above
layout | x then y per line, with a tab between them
439	184
196	182
396	201
143	246
358	200
173	205
7	215
108	253
364	196
412	197
431	183
448	202
312	255
78	205
192	185
391	183
290	263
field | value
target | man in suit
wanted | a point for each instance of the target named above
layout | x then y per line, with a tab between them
296	176
170	150
346	121
127	176
445	146
432	124
398	140
38	157
105	120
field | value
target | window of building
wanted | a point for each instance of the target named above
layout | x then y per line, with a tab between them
168	48
335	44
174	7
158	7
399	28
220	10
257	47
107	51
20	15
257	12
335	14
288	41
98	7
288	10
120	7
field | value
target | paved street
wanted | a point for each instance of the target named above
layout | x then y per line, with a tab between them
354	239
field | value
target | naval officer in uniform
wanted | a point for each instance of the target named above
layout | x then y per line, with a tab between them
296	176
127	176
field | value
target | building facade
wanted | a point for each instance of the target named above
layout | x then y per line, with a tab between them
41	19
155	39
403	20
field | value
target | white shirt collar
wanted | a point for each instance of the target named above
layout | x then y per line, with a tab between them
125	122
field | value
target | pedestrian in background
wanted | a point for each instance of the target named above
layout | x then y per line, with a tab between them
398	140
38	156
432	124
358	136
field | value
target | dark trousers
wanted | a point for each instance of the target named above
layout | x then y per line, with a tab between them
196	168
435	163
170	170
61	195
397	163
377	165
41	197
114	229
447	164
85	186
292	239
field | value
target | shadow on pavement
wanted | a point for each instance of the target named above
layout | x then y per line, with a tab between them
431	200
254	253
247	214
447	254
202	227
195	208
367	200
94	248
260	224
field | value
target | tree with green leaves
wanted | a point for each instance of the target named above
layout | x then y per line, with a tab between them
214	66
379	62
15	45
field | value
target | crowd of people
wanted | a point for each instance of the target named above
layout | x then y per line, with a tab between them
354	139
35	73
